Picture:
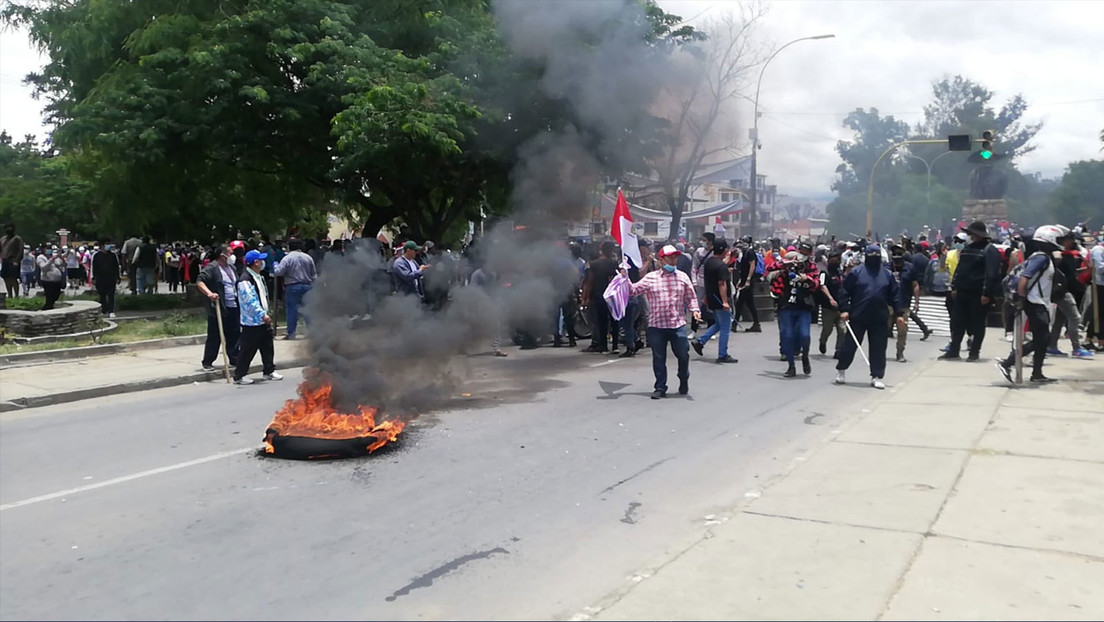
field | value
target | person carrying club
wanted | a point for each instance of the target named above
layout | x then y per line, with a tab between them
867	294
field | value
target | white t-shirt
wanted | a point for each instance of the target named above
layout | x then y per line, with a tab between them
1096	257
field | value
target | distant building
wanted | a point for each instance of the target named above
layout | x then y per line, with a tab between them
719	201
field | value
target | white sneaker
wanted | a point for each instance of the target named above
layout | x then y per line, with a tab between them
877	383
1008	337
244	381
273	376
841	377
111	315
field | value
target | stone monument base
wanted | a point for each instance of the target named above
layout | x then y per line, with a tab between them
985	210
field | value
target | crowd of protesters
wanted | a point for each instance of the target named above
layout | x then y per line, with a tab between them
859	290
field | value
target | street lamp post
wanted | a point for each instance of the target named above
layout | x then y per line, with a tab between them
929	165
755	133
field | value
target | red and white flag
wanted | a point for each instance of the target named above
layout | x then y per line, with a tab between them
622	231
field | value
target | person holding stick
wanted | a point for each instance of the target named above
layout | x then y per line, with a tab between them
866	297
218	282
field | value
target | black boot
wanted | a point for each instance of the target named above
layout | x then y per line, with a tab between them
805	366
791	371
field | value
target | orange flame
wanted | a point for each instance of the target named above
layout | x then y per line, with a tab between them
313	415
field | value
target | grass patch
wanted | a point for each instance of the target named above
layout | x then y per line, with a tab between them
173	325
25	304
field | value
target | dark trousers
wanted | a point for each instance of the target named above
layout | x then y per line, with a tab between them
967	316
745	299
919	322
658	339
255	339
628	323
53	292
107	296
1096	313
1038	322
602	320
231	325
132	278
879	337
567	309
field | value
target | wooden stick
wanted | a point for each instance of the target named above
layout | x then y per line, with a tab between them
222	338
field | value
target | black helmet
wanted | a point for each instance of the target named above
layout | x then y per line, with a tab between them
747	239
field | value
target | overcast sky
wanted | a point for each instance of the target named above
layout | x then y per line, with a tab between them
885	55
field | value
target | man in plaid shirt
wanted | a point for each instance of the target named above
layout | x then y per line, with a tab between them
668	293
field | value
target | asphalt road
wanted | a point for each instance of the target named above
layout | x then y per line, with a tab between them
554	483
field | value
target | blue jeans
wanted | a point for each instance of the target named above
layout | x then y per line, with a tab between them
658	338
147	280
794	325
628	323
294	295
722	326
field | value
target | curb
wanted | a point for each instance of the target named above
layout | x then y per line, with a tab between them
24	403
49	356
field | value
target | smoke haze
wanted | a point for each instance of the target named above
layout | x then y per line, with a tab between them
594	57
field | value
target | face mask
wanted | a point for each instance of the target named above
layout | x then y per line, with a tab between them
959	246
233	259
668	267
874	262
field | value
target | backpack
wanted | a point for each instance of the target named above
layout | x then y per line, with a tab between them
1012	281
1059	287
760	265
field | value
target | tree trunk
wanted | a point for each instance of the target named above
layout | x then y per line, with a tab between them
676	219
377	219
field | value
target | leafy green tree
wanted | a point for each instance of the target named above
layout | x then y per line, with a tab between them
197	116
873	135
961	106
1079	196
39	194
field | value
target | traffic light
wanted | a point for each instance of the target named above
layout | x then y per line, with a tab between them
959	142
986	152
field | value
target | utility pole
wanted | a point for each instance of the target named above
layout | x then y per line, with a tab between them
754	134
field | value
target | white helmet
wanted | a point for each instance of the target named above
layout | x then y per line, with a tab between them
1049	234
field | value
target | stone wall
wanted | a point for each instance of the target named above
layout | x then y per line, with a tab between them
985	210
77	316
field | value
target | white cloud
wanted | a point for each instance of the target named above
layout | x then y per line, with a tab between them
886	54
20	113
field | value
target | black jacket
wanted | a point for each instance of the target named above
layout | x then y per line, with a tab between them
105	267
210	276
978	270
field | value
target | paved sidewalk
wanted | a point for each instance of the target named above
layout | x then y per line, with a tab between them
67	381
955	497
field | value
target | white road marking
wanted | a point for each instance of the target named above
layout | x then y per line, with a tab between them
125	478
606	363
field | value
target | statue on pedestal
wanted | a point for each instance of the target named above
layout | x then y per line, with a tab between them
988	183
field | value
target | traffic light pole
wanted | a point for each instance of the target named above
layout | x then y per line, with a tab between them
870	187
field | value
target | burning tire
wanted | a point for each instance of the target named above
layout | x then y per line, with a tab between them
311	428
307	448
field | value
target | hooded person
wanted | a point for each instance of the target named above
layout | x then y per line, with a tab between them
975	284
867	294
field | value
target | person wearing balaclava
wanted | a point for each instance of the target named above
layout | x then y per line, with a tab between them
975	284
867	294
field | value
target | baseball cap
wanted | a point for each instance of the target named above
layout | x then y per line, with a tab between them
668	250
252	256
411	245
720	244
873	249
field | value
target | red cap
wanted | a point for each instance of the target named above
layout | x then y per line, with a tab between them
668	250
